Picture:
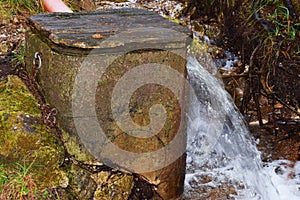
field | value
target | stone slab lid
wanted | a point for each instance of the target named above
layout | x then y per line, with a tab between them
112	30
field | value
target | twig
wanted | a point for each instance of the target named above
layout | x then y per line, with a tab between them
224	76
286	105
255	94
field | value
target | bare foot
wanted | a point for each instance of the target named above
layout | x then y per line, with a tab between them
55	6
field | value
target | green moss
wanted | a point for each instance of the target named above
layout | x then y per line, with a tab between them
15	8
16	97
25	141
74	148
197	47
102	83
116	187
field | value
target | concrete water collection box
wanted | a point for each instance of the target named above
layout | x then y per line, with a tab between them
118	81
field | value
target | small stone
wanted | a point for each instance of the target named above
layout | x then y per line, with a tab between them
21	29
239	91
64	181
6	116
4	47
15	20
277	112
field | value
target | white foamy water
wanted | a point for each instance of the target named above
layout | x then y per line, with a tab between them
285	177
221	152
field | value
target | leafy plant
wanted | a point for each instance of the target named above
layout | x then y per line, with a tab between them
32	6
19	56
283	25
4	179
16	183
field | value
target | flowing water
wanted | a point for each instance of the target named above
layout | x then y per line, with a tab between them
221	152
221	155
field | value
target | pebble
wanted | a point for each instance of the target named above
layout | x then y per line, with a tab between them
4	47
15	20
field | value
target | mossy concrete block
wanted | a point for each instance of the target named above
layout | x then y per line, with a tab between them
116	42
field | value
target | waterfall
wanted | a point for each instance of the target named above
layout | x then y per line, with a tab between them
220	151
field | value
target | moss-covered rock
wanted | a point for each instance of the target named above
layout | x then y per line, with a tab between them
26	144
116	187
31	155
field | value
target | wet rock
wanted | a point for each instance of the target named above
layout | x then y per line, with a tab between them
212	30
29	122
80	183
201	51
113	186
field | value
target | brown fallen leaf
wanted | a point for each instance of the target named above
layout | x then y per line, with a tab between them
278	106
98	36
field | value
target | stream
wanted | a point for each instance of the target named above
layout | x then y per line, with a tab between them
222	154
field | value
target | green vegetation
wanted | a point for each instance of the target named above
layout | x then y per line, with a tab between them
16	183
19	183
20	55
211	8
265	34
13	13
12	8
32	6
278	20
279	33
30	154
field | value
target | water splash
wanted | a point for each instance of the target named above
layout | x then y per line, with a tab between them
220	148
